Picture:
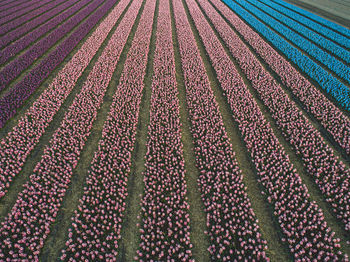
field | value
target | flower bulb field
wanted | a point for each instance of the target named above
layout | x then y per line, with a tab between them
174	130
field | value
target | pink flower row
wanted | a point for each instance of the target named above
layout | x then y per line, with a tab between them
302	222
28	224
17	145
165	227
96	226
231	222
329	173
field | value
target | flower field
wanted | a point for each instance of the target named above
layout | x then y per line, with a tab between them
173	130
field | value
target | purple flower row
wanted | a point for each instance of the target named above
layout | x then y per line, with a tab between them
329	173
39	27
232	224
28	224
11	3
329	116
23	89
165	227
17	145
96	226
301	220
19	9
16	67
19	19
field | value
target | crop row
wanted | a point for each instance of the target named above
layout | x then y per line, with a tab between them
341	29
39	27
19	7
17	21
28	224
18	10
17	145
231	222
330	84
165	226
308	47
330	117
301	220
322	30
23	89
97	222
305	32
11	3
14	68
328	172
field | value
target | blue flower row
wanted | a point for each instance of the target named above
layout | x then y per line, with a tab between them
323	42
316	18
321	29
330	84
309	48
